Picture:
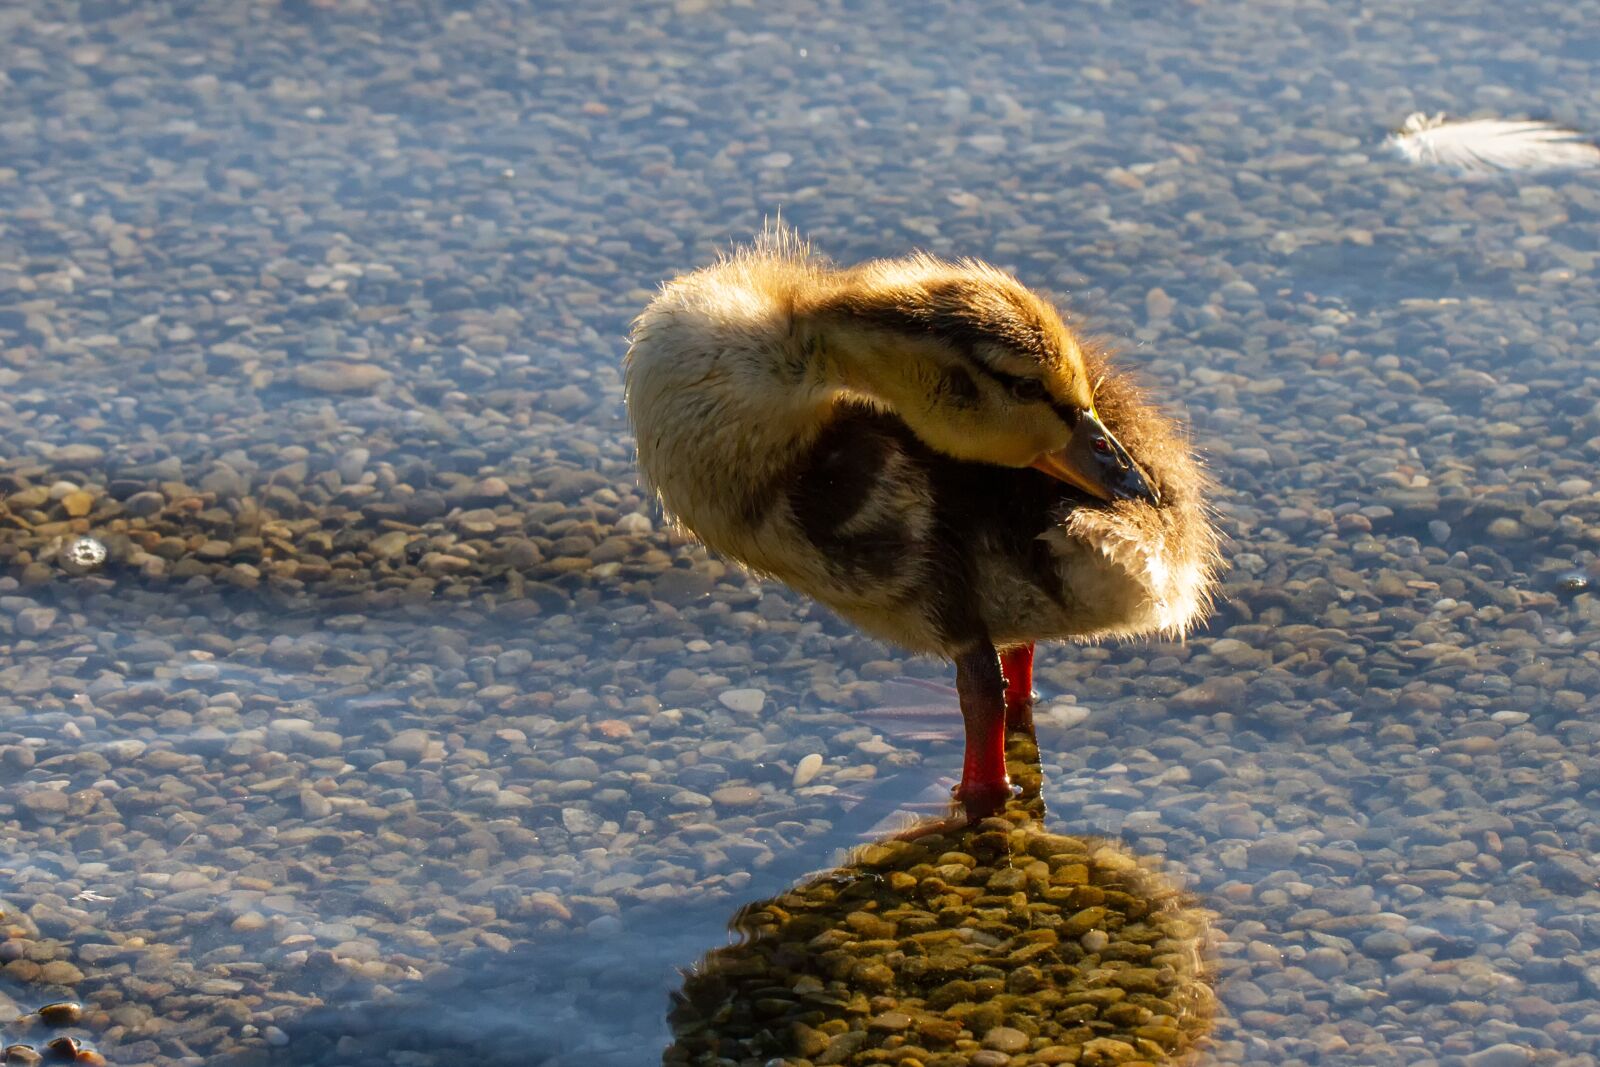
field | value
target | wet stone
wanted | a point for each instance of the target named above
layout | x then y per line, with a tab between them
144	504
340	376
736	796
1385	944
60	972
61	1013
807	769
62	1050
1276	850
1005	1039
32	622
1504	1054
46	805
744	701
407	745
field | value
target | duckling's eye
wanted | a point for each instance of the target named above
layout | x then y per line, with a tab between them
1029	390
1100	445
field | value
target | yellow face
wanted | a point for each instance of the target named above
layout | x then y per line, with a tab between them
1030	420
979	367
989	409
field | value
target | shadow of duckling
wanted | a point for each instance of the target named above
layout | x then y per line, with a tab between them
999	943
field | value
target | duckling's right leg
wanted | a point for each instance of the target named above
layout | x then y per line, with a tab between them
1017	665
984	787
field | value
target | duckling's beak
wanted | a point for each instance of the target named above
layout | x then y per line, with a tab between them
1095	461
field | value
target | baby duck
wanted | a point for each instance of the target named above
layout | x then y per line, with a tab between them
927	449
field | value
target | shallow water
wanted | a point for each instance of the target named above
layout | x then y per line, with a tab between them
393	731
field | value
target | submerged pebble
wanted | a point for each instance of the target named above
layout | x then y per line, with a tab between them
744	701
807	769
83	555
1572	583
61	1013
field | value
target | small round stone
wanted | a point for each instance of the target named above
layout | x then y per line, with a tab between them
62	1013
744	701
1572	583
83	555
1005	1039
807	769
1504	1054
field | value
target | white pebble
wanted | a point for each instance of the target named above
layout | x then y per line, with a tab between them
123	750
808	769
82	555
634	523
1510	718
605	926
744	701
1065	716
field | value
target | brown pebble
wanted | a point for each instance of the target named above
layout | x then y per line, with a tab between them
736	796
62	1050
62	1013
20	1054
340	376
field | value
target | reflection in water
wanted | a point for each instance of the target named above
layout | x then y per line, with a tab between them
954	944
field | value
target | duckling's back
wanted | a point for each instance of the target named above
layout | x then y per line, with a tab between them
740	436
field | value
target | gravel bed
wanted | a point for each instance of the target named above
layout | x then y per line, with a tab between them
396	729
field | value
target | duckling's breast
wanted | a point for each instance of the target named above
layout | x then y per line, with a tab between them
1121	571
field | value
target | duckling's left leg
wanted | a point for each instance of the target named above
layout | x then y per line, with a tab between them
984	787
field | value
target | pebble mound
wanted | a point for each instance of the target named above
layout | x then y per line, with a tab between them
1002	944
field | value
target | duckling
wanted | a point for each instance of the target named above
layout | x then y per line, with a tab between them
926	448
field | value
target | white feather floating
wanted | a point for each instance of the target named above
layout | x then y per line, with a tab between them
1480	146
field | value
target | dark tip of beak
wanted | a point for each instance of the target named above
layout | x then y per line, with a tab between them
1132	484
1119	473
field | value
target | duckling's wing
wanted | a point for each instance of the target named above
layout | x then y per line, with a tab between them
901	533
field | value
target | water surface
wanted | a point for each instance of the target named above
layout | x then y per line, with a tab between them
399	730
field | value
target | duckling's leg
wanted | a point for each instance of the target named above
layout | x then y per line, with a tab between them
1017	664
984	787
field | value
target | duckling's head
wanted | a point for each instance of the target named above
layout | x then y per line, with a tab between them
978	366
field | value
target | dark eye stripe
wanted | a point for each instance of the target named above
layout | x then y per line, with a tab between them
1066	413
1015	382
1010	381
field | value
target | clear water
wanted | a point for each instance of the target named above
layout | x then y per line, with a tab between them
345	287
